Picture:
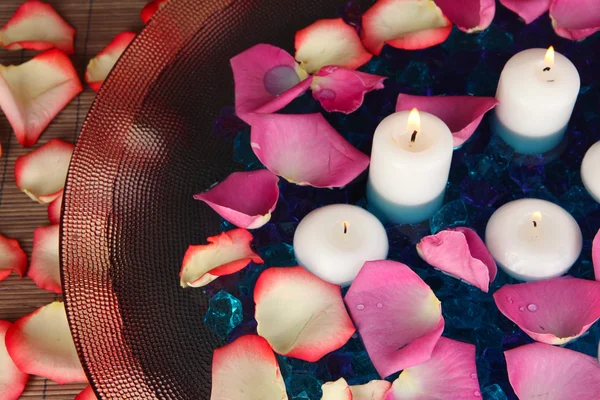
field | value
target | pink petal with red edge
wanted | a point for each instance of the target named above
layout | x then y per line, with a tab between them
54	209
246	369
330	42
12	380
397	315
343	90
575	19
151	8
469	15
33	93
45	265
306	150
450	373
554	311
528	10
338	390
596	255
460	252
404	24
266	79
462	114
41	344
41	174
541	371
300	315
12	258
100	66
246	199
225	254
374	390
37	26
86	394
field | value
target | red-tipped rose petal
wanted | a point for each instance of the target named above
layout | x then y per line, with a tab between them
596	255
528	10
575	19
343	90
87	394
12	257
33	93
246	369
12	380
404	24
306	150
374	390
224	255
100	66
462	114
41	344
554	311
151	8
246	199
460	252
45	265
37	26
338	390
469	15
450	373
541	371
397	315
54	209
330	42
300	315
41	174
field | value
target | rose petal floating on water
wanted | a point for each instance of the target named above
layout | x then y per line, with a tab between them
529	10
55	208
338	390
246	199
596	255
575	19
300	315
397	315
374	390
12	380
225	254
86	394
12	258
151	8
246	369
45	265
469	15
100	66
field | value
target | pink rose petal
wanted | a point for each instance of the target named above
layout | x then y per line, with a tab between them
12	258
469	15
343	90
529	10
596	255
575	19
450	373
151	8
554	311
54	209
338	390
540	371
374	390
45	265
300	315
462	114
12	380
397	315
246	369
100	66
86	394
460	252
306	150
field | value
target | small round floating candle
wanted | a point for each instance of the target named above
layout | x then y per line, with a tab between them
533	239
590	169
537	92
334	242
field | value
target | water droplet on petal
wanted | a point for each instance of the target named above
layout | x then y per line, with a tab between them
510	300
521	308
477	393
379	305
279	79
360	307
473	376
532	307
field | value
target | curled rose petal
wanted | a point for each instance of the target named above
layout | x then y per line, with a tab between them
528	10
12	380
397	315
469	15
460	252
225	254
596	255
54	209
404	24
462	114
330	42
246	199
541	371
338	390
41	344
151	8
41	174
86	394
100	66
554	311
374	390
246	369
343	90
575	19
33	93
37	26
306	150
450	373
12	258
300	315
45	265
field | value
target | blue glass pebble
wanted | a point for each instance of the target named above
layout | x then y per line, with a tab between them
451	214
494	392
224	313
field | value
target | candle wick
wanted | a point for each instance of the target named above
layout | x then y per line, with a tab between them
547	69
345	228
413	138
534	224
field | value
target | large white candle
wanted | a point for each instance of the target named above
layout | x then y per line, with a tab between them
590	171
537	91
334	242
533	239
410	164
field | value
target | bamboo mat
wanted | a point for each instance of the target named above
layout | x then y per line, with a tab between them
96	22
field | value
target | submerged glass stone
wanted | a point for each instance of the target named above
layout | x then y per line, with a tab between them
494	392
224	313
451	214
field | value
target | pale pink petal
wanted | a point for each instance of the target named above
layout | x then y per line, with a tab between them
306	150
300	315
554	311
12	258
246	369
460	252
469	15
45	265
225	254
100	66
596	255
528	10
330	42
450	373
86	394
374	390
575	19
12	380
540	371
343	90
338	390
246	199
151	8
462	114
54	209
397	315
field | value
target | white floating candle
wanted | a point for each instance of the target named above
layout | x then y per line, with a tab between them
334	242
533	239
590	171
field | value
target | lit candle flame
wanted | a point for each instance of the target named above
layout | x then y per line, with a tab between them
346	225
549	59
536	217
414	123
